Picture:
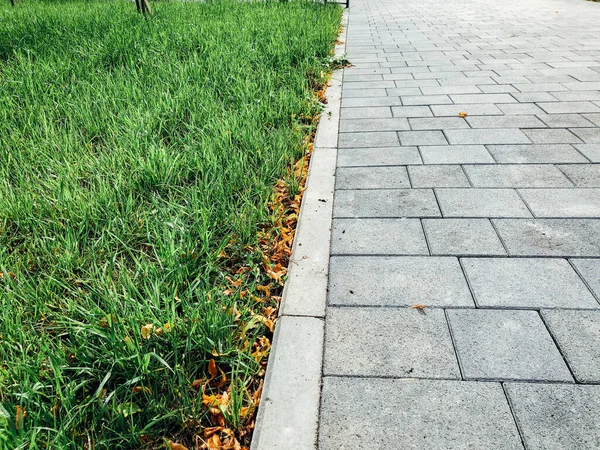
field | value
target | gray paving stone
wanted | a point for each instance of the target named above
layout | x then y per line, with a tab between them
477	202
534	97
464	237
389	342
552	136
391	177
445	90
426	100
505	345
368	139
390	124
588	135
582	175
366	113
487	136
569	107
437	123
455	154
378	237
411	111
381	156
353	93
594	118
514	121
550	237
573	202
556	416
516	176
565	120
526	283
397	281
471	109
415	414
362	102
536	153
431	176
379	84
590	151
520	108
422	138
385	203
589	269
482	98
578	336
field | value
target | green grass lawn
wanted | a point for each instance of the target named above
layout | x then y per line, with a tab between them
138	158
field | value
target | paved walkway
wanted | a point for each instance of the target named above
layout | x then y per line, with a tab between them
491	221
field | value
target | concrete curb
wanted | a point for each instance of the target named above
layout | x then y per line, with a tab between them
289	410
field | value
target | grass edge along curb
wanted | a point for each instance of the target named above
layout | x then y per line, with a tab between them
161	339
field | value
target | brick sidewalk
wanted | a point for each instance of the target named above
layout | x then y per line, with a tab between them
492	221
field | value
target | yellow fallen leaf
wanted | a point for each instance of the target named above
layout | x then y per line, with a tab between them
147	331
176	446
462	114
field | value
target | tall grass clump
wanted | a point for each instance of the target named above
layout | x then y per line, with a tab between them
138	158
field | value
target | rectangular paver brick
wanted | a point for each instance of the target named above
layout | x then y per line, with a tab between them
530	283
488	109
391	177
536	153
368	139
505	345
397	281
378	237
550	237
385	203
513	121
476	202
416	414
422	138
578	336
588	135
357	125
573	202
455	154
431	176
462	237
516	175
569	107
389	342
556	416
411	111
551	136
487	136
380	156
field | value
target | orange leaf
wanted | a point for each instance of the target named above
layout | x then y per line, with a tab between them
418	306
212	368
147	331
175	446
462	114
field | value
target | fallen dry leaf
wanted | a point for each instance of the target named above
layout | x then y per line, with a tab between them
175	446
462	114
147	331
418	306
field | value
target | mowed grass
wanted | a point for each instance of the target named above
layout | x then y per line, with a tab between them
137	161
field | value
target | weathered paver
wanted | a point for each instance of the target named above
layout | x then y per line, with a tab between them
516	176
385	203
505	345
455	154
378	237
464	237
550	237
526	283
553	416
409	414
574	202
463	309
432	176
391	177
381	156
404	343
578	336
397	281
481	203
